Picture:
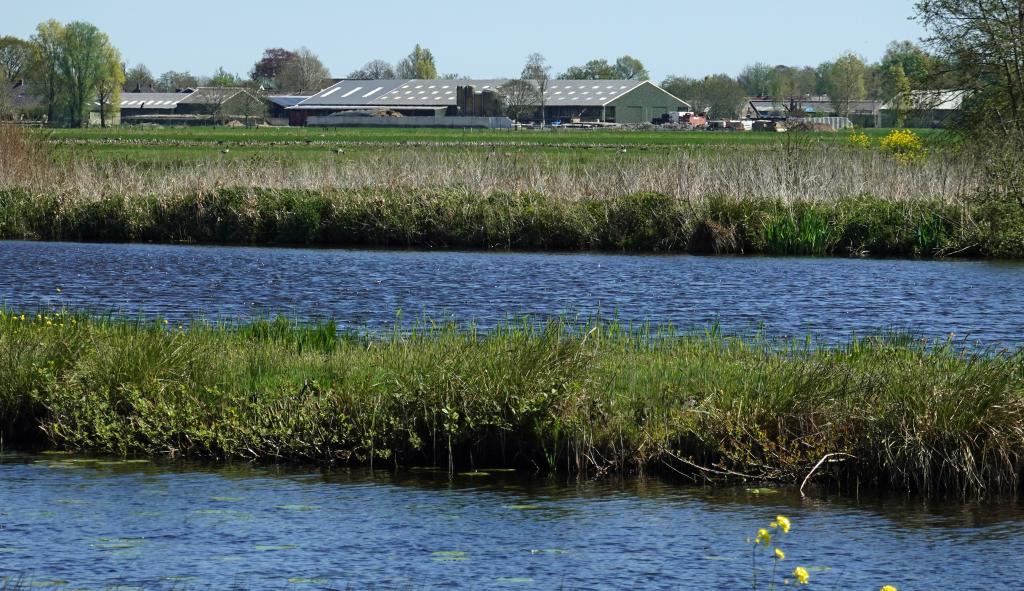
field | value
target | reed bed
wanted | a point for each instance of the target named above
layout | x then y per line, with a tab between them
815	172
588	399
798	196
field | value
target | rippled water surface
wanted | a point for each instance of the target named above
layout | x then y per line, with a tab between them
831	298
95	523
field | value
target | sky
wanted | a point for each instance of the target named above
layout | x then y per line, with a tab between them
481	39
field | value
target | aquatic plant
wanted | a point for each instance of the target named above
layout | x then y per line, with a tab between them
766	541
587	399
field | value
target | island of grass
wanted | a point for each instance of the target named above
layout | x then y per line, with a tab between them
891	412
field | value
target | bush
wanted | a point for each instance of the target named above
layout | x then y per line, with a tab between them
903	145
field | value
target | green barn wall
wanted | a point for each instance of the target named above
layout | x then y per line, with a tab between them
644	103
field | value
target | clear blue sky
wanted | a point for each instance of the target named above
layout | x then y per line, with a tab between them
482	39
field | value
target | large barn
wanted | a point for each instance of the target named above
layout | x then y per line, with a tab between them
613	101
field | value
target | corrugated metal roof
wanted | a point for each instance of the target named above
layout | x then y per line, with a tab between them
412	93
932	100
286	100
151	100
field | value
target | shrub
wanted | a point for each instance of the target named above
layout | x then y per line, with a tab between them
903	145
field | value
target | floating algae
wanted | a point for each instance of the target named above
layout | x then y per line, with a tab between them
514	580
449	556
266	548
305	581
474	474
295	507
226	499
523	507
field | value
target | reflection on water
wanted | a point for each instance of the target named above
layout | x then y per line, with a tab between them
833	298
97	522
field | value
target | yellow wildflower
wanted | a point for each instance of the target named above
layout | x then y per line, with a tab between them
782	555
783	522
888	588
801	575
763	537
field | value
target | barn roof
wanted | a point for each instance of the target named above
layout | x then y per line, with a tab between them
416	93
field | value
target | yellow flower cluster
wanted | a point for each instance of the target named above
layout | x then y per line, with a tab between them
58	319
861	140
903	145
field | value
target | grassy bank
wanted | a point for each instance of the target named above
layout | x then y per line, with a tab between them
798	194
592	400
452	218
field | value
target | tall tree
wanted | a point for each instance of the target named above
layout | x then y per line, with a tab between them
266	70
14	57
844	80
108	90
756	79
374	70
84	65
419	65
44	65
537	72
303	73
138	78
901	94
629	68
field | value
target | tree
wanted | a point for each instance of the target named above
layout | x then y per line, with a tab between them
44	65
108	90
138	77
172	81
756	79
901	94
598	69
984	40
519	98
844	80
537	72
14	58
418	65
720	93
630	68
266	70
374	70
222	78
305	72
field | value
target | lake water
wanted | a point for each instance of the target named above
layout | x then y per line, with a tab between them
95	523
830	298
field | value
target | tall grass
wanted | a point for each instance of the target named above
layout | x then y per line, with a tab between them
594	399
802	197
452	218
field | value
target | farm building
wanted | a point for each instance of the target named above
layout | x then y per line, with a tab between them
191	106
866	113
619	101
925	108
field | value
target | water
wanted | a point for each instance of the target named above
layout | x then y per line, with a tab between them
980	302
96	523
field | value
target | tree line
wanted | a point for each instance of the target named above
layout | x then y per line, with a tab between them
70	66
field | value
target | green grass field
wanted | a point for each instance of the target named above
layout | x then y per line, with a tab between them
303	144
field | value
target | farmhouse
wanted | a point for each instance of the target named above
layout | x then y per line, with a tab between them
613	101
